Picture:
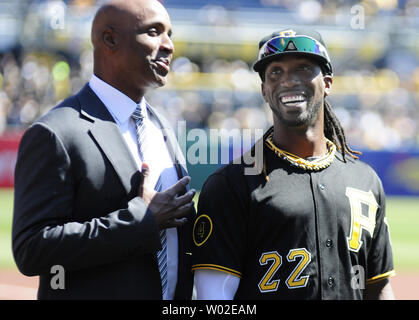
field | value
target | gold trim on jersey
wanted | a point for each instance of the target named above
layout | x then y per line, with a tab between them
217	267
315	165
380	277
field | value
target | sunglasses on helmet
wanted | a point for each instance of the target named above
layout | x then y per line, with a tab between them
299	44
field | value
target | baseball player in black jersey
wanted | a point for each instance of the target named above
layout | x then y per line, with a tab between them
312	224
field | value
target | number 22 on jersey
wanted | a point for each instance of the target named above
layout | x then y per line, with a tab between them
294	280
360	220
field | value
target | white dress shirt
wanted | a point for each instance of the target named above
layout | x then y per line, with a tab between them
121	107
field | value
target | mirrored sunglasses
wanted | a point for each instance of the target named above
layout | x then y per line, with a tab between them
296	43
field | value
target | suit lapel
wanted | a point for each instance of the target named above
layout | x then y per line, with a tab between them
107	135
109	139
171	142
185	279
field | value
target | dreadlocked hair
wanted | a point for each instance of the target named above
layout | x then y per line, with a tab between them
335	133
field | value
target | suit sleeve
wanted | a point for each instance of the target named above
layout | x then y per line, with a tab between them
45	232
219	233
380	257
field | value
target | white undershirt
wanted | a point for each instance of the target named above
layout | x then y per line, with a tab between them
121	107
215	285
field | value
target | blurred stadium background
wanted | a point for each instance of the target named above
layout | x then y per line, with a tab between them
46	55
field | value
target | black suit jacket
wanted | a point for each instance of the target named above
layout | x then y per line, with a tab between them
76	205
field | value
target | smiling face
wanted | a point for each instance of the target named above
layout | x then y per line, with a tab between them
295	88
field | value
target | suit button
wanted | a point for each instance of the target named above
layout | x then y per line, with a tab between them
321	186
329	243
330	281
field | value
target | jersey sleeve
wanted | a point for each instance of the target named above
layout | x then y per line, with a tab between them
219	232
380	257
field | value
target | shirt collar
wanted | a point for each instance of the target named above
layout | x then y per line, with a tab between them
119	105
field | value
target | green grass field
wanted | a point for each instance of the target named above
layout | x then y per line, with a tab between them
403	218
6	210
402	215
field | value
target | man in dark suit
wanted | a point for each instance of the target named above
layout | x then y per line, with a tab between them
85	200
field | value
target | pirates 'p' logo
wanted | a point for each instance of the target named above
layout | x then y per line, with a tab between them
202	229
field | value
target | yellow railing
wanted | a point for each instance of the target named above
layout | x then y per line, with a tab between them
382	82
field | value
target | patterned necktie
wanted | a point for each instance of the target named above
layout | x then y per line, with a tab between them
140	124
162	254
142	144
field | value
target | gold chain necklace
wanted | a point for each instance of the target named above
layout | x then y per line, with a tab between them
315	165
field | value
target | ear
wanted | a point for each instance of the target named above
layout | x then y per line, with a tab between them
327	84
110	38
262	87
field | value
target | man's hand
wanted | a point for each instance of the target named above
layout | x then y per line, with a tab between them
168	209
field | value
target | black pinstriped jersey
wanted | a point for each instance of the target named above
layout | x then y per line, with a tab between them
296	234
